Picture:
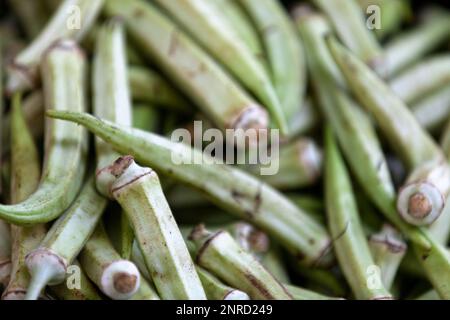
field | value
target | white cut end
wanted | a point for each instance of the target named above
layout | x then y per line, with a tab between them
236	295
420	203
14	295
120	280
46	262
311	158
131	174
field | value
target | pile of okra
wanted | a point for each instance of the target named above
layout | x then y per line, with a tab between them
348	99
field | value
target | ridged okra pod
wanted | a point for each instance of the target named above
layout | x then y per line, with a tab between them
349	23
352	126
235	191
145	291
388	250
117	278
350	244
209	27
63	71
422	79
304	294
65	239
284	52
216	290
422	198
167	258
25	175
299	165
433	110
71	21
410	46
190	67
148	86
219	254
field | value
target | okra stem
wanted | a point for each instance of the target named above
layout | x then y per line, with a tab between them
139	192
350	243
284	52
23	73
117	278
422	198
233	190
209	27
191	68
222	256
388	251
216	290
65	145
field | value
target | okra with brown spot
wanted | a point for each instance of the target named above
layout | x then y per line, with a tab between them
63	71
388	250
231	189
117	278
23	73
350	244
25	175
189	66
284	52
422	198
219	254
208	26
138	191
216	290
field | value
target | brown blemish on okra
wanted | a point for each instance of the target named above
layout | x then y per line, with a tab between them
419	206
124	282
261	288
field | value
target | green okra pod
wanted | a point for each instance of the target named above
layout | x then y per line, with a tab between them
433	110
25	175
272	260
65	239
410	46
167	258
148	86
304	120
146	117
350	24
219	254
388	250
422	198
145	291
117	278
240	22
304	294
32	16
423	78
284	51
299	165
71	21
65	145
190	67
216	290
350	244
352	126
78	288
5	252
207	25
232	189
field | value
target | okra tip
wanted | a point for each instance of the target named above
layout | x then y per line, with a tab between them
120	280
390	238
64	45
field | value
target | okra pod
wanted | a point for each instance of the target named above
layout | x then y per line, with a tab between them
5	253
216	290
410	46
222	256
352	126
231	189
284	51
350	244
304	294
32	15
304	120
299	165
65	144
145	291
139	192
433	110
117	278
388	250
25	175
272	260
145	117
148	86
422	79
349	23
65	239
207	25
422	198
191	68
23	73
